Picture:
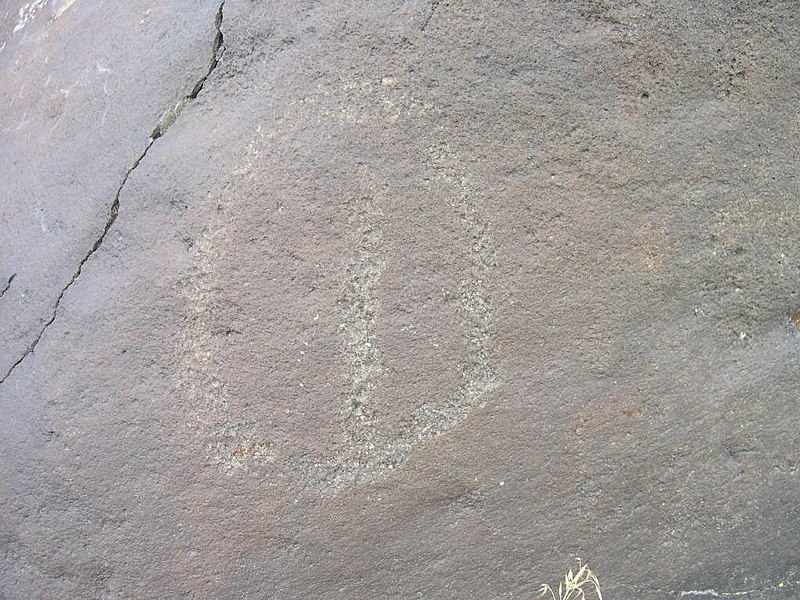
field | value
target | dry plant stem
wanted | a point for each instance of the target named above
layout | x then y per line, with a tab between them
573	585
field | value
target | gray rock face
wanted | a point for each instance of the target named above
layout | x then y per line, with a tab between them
399	299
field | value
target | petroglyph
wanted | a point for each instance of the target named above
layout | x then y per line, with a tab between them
360	303
230	444
372	450
474	304
367	448
378	436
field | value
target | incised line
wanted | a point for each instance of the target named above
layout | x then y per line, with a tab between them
360	303
474	305
372	451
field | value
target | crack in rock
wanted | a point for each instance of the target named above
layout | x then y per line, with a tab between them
166	120
434	6
7	285
171	115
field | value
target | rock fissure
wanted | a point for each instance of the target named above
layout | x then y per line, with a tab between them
7	285
171	115
434	6
114	210
216	51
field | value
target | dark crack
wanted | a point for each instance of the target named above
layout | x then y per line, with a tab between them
7	285
434	6
114	210
216	52
171	115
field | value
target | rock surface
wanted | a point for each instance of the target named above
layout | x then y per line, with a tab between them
399	299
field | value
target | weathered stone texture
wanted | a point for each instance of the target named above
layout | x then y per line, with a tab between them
399	299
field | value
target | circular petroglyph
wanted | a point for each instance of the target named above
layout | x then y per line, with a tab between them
373	421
